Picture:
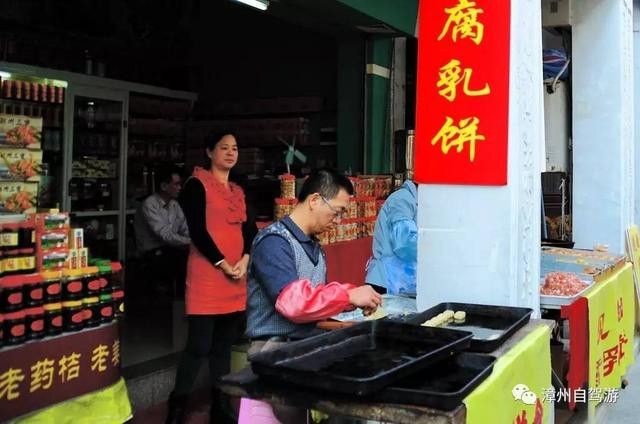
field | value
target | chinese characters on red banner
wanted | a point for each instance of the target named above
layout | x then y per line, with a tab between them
48	372
462	102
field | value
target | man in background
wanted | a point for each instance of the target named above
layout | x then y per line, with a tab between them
162	235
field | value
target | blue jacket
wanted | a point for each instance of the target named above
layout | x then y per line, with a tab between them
395	243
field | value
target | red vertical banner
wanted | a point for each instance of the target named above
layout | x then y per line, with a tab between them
462	104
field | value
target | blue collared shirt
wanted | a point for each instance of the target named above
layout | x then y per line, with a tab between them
273	260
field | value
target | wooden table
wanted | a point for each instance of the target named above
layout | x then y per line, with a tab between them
246	384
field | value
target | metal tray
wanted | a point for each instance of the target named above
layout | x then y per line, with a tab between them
360	359
554	302
490	325
442	386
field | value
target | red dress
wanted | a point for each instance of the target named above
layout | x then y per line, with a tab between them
209	291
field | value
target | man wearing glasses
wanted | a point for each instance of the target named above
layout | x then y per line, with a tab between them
287	291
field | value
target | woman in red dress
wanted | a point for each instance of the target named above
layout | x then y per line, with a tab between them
215	295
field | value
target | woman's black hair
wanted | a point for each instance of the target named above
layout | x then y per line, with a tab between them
213	139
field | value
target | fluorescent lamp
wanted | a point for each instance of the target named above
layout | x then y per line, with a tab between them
258	4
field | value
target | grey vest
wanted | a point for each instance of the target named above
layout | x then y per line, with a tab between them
262	317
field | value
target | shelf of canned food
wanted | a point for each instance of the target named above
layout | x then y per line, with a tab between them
50	303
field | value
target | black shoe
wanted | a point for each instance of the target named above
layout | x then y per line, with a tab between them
218	412
177	409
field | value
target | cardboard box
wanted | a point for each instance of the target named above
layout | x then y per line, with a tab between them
83	255
20	165
76	238
18	197
20	131
73	260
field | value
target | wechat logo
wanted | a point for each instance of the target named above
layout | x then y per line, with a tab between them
522	393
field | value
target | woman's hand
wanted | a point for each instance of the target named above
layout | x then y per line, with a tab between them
240	268
227	269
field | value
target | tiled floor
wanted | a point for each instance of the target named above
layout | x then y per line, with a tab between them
198	411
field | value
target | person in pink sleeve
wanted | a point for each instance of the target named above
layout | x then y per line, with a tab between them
287	291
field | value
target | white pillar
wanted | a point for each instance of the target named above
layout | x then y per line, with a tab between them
603	151
482	244
636	100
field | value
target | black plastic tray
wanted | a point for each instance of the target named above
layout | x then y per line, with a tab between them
484	321
359	359
443	385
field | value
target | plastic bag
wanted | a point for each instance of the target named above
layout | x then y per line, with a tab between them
401	275
554	62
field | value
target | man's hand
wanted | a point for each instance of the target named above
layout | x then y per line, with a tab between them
365	297
240	268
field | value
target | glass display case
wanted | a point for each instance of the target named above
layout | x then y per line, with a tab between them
96	176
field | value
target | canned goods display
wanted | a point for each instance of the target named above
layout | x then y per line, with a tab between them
11	294
14	330
323	238
72	315
106	308
91	311
288	186
283	207
352	209
33	293
34	323
53	324
118	303
73	285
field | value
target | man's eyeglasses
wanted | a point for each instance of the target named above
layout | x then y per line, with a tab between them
337	213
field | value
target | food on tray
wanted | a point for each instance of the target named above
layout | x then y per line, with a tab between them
460	316
562	284
378	314
444	318
590	270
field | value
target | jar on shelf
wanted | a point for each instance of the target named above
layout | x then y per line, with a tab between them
355	182
14	330
283	207
332	235
323	238
33	290
287	186
118	303
106	279
34	323
342	231
52	285
73	285
91	311
72	315
116	276
92	281
11	294
53	324
352	209
106	308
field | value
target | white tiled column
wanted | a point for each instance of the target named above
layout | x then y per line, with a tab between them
636	100
603	121
482	244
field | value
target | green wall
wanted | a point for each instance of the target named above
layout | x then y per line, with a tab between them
399	14
351	65
378	135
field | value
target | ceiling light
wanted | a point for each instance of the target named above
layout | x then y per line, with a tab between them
258	4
